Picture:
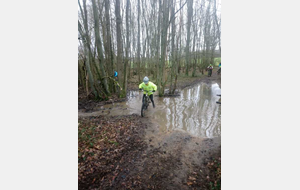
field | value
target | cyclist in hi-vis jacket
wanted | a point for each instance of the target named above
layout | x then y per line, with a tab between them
148	87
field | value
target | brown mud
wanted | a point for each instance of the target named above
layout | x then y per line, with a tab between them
136	155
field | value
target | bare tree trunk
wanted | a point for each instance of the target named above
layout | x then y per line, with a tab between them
173	68
177	57
157	44
120	67
86	52
217	24
180	34
194	45
109	44
214	41
80	77
139	42
87	84
127	46
87	47
81	66
131	46
188	29
164	32
99	46
147	40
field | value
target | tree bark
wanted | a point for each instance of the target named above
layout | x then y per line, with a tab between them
164	32
109	43
127	46
99	47
139	42
188	29
86	52
194	45
157	44
121	71
173	68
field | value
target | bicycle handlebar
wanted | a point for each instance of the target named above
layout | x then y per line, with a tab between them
147	91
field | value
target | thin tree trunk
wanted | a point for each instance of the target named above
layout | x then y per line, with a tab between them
164	32
180	34
194	45
188	29
128	46
173	68
99	47
86	52
87	84
158	44
109	44
139	42
120	65
217	24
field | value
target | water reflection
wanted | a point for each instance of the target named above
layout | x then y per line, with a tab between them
194	111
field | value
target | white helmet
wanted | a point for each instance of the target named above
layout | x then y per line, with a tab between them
146	80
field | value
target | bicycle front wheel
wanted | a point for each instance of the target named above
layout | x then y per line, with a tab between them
143	111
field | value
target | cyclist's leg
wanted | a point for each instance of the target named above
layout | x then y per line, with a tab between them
151	98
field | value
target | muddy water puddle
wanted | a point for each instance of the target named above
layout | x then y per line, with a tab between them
194	111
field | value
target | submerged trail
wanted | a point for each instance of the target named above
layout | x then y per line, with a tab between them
194	111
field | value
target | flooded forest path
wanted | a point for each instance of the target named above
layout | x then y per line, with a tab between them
182	134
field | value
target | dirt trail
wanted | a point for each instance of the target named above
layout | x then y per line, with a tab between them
215	78
181	153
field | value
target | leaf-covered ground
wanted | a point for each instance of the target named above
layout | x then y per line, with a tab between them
113	154
208	174
106	145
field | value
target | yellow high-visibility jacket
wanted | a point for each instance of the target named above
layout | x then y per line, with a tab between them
151	86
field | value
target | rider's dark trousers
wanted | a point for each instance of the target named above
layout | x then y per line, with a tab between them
151	98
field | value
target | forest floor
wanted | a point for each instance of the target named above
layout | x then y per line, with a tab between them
128	152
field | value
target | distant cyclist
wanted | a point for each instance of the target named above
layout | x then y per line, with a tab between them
148	87
210	68
219	70
116	75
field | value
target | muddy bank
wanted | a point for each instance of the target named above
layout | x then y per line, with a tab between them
89	104
182	81
128	152
176	155
190	81
208	174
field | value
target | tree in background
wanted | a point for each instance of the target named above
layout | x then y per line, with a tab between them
139	37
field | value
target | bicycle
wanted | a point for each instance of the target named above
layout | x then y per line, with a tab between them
218	102
145	104
209	72
219	71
